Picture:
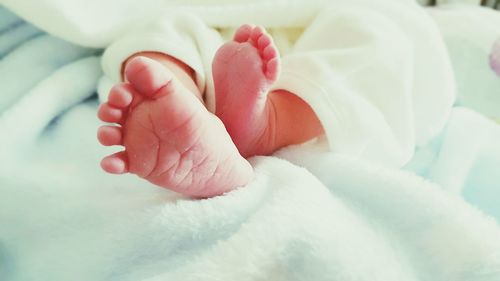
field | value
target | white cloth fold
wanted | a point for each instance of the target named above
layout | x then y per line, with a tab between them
311	215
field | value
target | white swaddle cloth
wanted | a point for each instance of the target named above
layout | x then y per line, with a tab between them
363	67
62	218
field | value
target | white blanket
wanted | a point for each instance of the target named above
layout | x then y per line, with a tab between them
309	215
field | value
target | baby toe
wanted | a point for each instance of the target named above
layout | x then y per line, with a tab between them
147	76
243	33
110	114
257	32
272	69
263	42
115	163
121	95
269	52
110	135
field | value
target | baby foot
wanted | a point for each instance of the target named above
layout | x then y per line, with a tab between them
244	70
170	138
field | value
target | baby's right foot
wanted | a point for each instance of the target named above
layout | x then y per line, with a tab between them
170	138
244	70
259	122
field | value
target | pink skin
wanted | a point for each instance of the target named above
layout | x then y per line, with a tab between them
243	71
171	139
259	122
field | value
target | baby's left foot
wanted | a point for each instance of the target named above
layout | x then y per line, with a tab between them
170	138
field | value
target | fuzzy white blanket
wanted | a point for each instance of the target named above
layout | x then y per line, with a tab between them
309	215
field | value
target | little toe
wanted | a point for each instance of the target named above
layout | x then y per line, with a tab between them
243	33
272	69
110	114
121	95
110	135
115	163
148	76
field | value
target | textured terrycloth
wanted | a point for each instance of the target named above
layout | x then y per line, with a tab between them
309	214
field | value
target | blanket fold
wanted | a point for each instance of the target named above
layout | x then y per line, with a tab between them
308	215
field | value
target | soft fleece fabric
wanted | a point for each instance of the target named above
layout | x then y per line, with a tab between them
310	214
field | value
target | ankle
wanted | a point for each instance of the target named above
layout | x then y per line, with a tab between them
288	120
292	119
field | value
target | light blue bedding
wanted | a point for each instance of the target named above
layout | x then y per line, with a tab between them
309	215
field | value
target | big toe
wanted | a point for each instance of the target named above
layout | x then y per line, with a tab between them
146	75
